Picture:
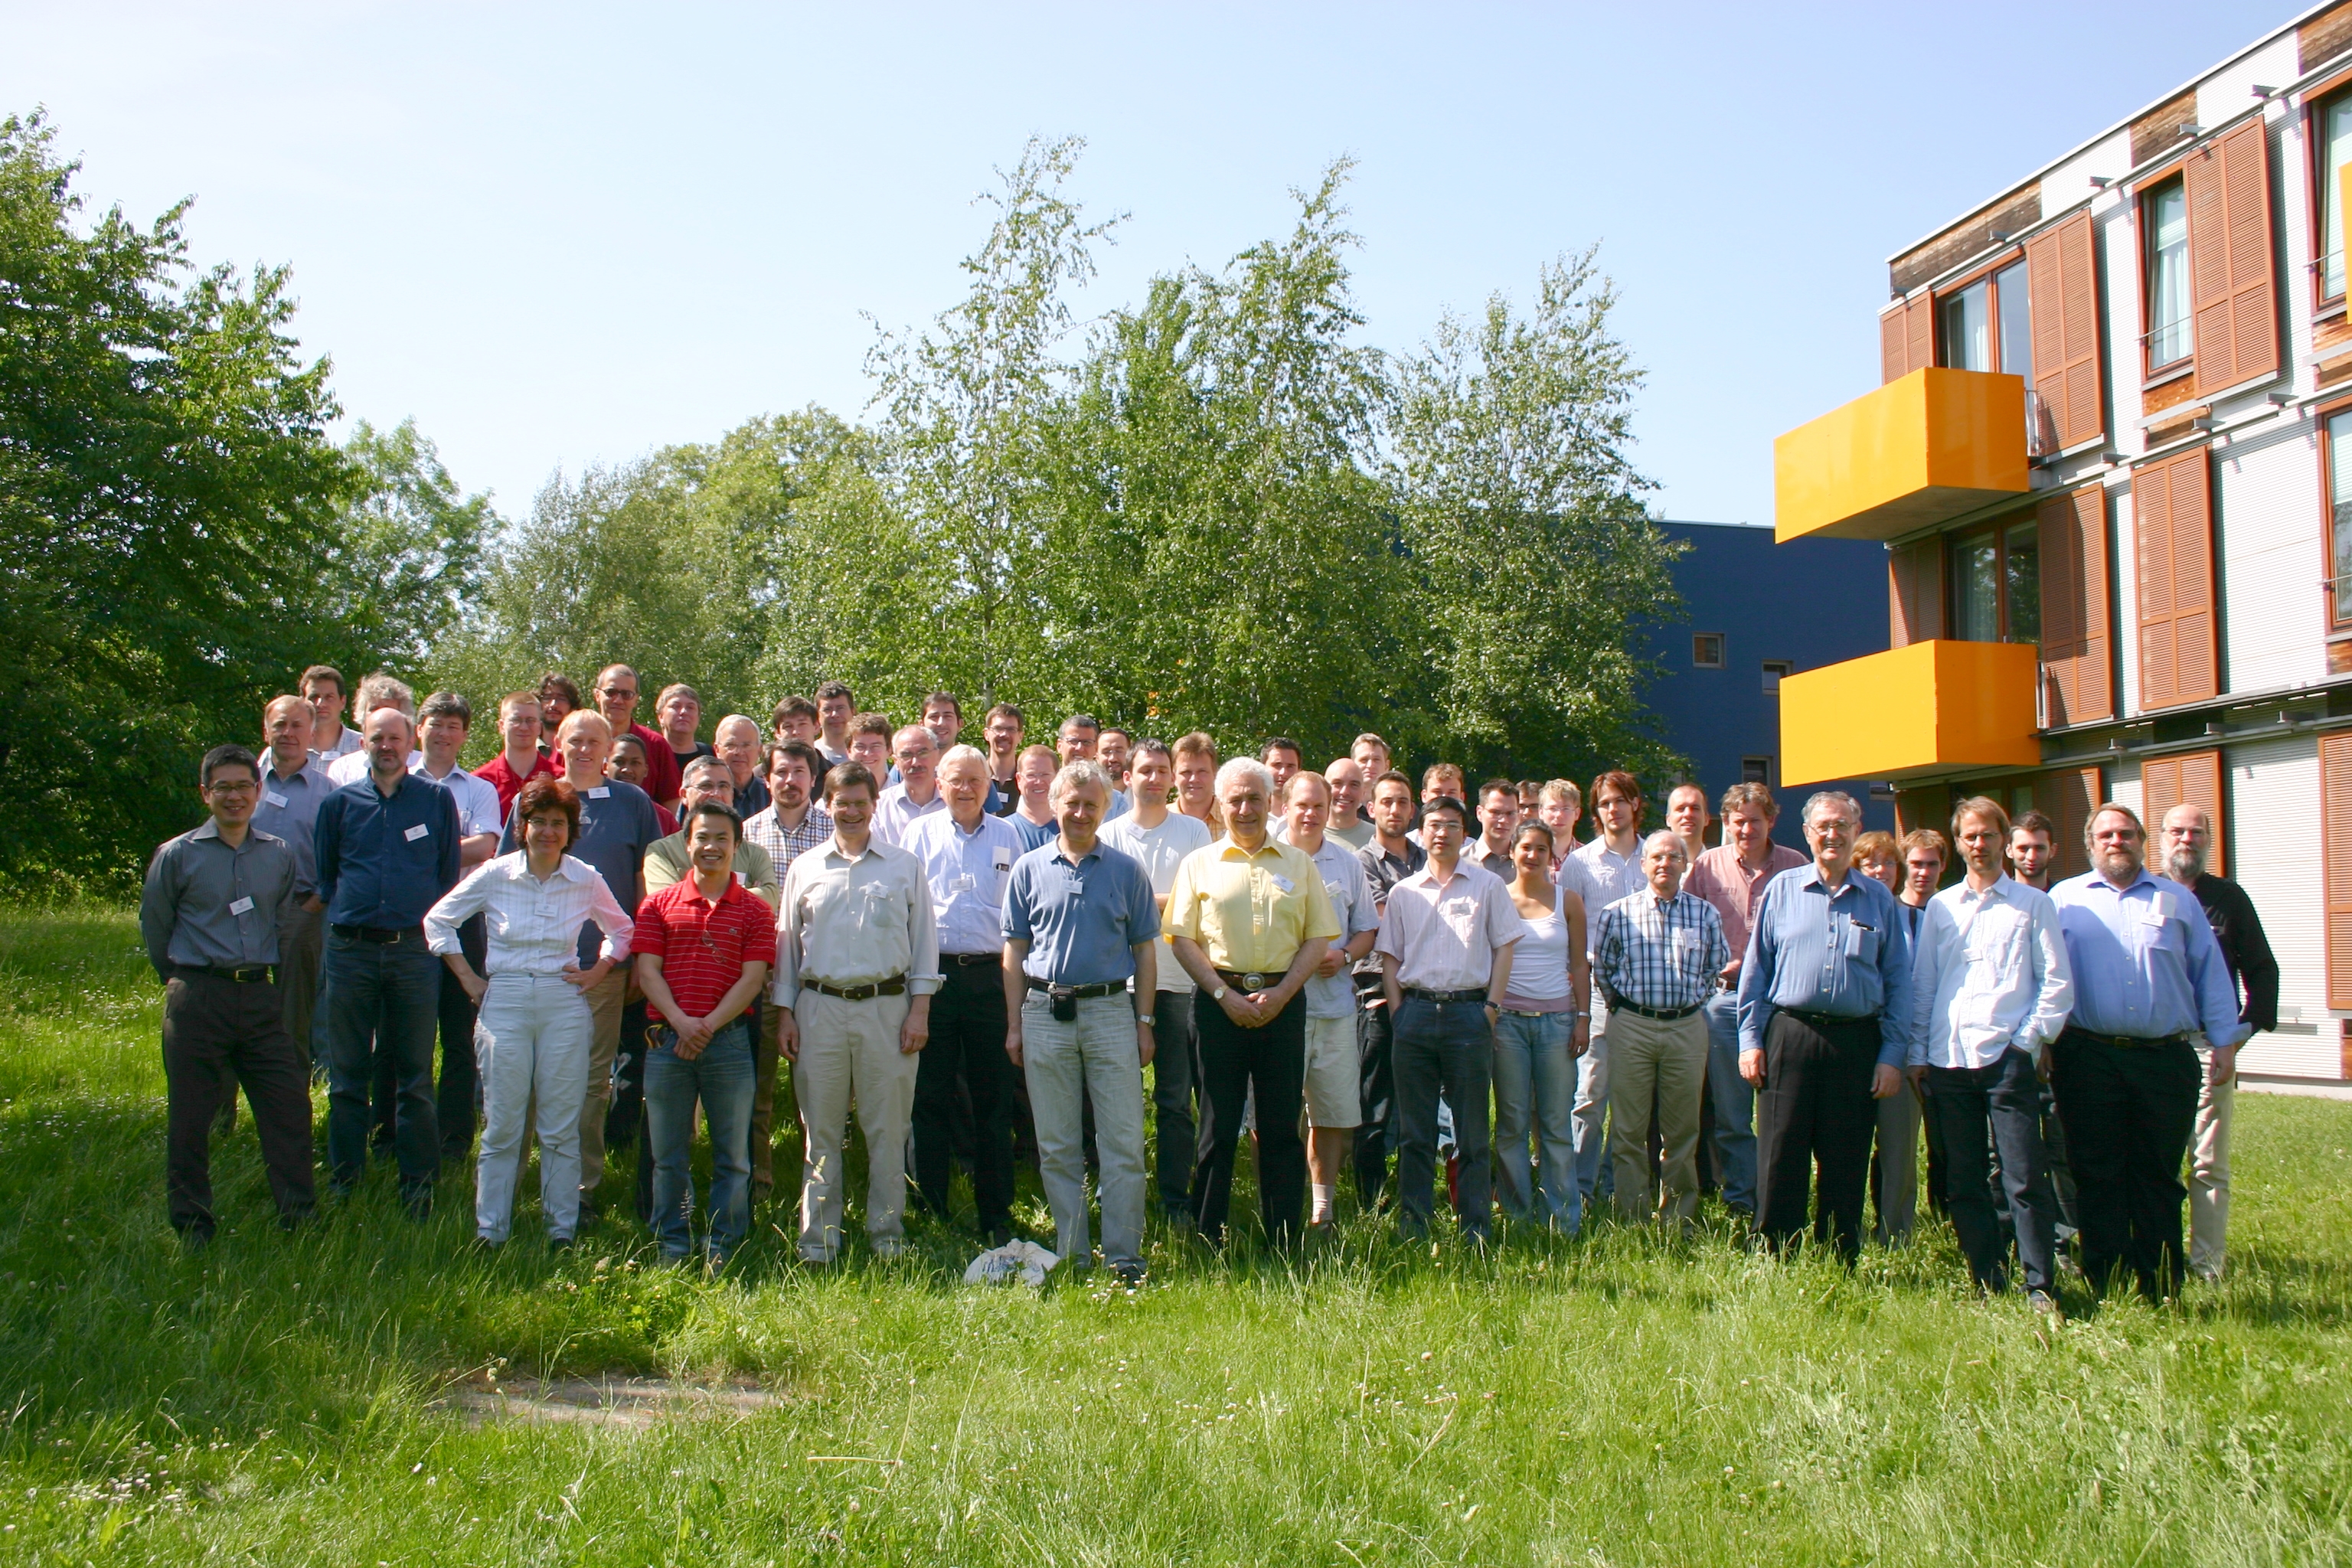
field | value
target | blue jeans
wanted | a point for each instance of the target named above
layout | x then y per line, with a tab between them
1443	1049
382	998
1535	1090
1735	1103
722	1079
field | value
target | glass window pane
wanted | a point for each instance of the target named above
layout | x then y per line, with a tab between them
1967	328
1976	590
2021	583
2339	496
2168	275
2335	148
2016	303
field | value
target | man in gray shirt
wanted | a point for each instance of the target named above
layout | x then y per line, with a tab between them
217	900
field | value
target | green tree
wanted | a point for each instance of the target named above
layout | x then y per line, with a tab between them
412	549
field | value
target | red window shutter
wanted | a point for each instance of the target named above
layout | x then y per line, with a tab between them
2193	778
2067	797
2230	279
2335	849
2078	678
1914	592
2172	524
2060	271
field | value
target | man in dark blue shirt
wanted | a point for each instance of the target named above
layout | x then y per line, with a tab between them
386	851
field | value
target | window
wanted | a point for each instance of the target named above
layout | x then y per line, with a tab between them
2166	211
2339	516
1706	651
1774	668
1997	583
2334	150
1755	770
1988	324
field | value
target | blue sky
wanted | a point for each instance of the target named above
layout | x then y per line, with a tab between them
563	235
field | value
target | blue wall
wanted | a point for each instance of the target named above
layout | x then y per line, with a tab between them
1811	602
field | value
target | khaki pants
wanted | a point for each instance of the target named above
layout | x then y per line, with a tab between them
1666	1058
299	946
849	1050
606	999
1896	1175
2209	1169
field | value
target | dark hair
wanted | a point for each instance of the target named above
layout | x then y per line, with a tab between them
871	724
230	755
1394	776
1150	748
1533	825
1506	786
2033	822
810	757
629	738
716	808
836	689
1280	743
557	685
1114	730
1009	711
946	700
323	672
845	774
542	793
1624	782
1445	803
447	705
792	707
1084	721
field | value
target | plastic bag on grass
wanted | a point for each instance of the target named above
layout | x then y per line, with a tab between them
1023	1261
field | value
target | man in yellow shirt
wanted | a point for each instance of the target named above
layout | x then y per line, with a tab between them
1249	921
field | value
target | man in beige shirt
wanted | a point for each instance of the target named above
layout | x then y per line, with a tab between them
857	961
668	861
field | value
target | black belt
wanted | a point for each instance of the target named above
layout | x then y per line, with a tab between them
1249	981
1107	988
2125	1042
242	974
1826	1020
894	986
972	960
1664	1015
383	936
1475	994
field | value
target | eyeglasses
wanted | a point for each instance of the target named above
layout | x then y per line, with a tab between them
229	786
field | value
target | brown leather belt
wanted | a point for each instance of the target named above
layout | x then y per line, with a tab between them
894	986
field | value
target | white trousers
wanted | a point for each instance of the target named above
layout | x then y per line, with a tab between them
531	1041
2209	1169
849	1051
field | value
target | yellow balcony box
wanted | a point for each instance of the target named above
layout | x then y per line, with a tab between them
1915	712
1916	451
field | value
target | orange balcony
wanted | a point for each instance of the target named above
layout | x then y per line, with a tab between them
1918	712
1917	451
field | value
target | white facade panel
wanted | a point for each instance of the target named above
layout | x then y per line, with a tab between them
2274	854
2123	788
2126	606
2119	270
2229	91
2270	532
2070	182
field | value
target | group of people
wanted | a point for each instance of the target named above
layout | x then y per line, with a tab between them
971	947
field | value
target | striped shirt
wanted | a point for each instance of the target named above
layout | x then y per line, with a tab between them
704	946
1660	953
784	844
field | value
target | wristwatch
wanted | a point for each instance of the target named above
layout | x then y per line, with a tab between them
1145	1018
1219	994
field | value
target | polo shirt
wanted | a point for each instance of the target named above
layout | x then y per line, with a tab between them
499	774
617	825
704	946
1250	912
1081	920
671	861
384	860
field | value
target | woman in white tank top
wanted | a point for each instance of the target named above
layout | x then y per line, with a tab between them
1540	1029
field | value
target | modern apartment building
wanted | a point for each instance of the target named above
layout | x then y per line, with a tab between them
2111	464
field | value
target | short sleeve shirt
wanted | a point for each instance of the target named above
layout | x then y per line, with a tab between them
1251	913
1350	892
704	946
1082	921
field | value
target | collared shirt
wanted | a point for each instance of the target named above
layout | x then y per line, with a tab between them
533	926
704	947
618	823
786	845
479	810
1161	851
1842	953
894	812
663	775
2245	950
853	922
289	810
752	798
968	873
1721	877
1034	835
1599	876
668	862
1989	970
1250	913
208	906
2146	961
499	774
384	860
352	766
1082	921
1444	935
1657	953
1350	892
347	740
1382	872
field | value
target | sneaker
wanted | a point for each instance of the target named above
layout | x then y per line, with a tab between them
561	1243
1130	1274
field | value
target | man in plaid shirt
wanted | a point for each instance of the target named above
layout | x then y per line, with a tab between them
1658	951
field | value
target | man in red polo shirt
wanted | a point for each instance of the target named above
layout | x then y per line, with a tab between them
703	946
522	761
616	698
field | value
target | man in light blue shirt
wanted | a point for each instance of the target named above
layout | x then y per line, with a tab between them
968	859
2148	975
293	785
1824	1029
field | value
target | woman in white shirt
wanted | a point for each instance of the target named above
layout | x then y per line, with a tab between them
532	1035
1541	1026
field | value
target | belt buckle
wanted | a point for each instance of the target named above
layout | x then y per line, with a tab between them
1252	982
248	974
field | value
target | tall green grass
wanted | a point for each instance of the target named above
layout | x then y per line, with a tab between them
1620	1399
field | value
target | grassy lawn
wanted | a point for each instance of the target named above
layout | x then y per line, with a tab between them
1612	1400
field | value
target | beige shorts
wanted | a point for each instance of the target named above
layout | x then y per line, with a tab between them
1333	1097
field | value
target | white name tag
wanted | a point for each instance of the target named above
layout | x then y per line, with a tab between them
415	833
1282	882
240	906
274	798
739	881
600	793
964	882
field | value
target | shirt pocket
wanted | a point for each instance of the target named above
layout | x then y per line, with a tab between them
879	907
1996	948
1859	943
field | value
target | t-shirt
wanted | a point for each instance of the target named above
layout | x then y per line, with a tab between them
1350	892
1161	851
704	946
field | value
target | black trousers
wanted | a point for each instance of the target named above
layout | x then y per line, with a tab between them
457	1098
1175	1079
1445	1050
1997	1108
966	1051
1816	1118
218	1035
1272	1058
2130	1112
1375	1058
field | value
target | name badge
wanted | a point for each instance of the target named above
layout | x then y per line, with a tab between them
274	798
1282	882
241	906
600	793
739	881
415	833
964	882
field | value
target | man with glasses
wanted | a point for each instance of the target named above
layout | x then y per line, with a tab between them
917	794
617	699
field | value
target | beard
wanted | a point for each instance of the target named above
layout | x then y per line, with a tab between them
2184	866
2116	863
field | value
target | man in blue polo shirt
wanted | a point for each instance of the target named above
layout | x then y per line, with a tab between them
386	851
1080	921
